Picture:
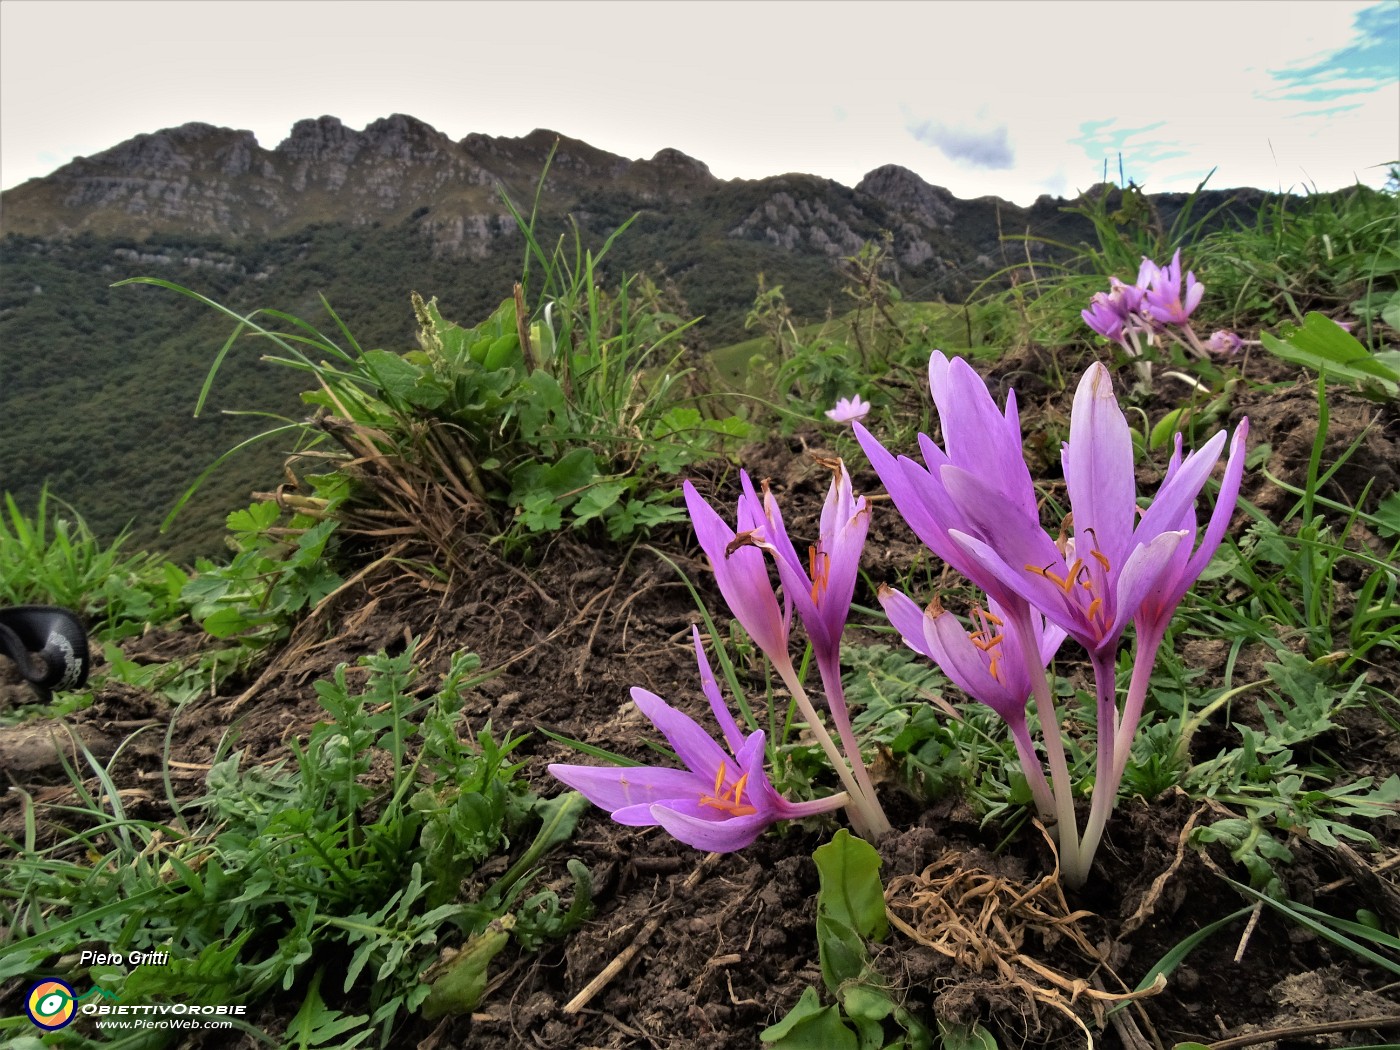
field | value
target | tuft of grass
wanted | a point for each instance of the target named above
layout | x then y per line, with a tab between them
51	557
334	875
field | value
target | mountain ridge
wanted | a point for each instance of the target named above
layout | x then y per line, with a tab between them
200	179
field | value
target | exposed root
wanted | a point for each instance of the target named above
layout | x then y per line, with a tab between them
983	921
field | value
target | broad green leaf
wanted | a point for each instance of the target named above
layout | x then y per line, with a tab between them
394	376
841	951
965	1037
1324	346
1166	428
850	885
1390	312
563	478
810	1026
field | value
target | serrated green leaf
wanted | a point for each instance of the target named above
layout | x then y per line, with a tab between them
597	500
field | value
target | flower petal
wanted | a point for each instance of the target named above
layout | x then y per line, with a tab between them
1144	569
1098	465
730	728
906	617
693	746
741	573
616	788
704	827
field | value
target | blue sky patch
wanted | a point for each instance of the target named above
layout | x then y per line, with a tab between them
1369	63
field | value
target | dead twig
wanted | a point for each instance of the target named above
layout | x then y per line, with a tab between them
1388	1023
1159	884
593	987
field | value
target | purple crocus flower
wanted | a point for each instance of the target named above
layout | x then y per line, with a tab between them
740	568
1183	568
1129	296
1094	584
1164	300
742	574
1105	317
1115	314
979	440
822	585
989	664
822	590
721	802
848	410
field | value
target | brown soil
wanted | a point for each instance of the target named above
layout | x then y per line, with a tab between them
716	947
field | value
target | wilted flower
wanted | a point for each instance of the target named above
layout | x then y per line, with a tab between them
848	410
721	801
1166	300
1224	342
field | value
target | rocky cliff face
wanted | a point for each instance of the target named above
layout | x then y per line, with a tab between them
219	183
203	180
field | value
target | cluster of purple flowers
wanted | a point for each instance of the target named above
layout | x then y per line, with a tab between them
973	503
1133	315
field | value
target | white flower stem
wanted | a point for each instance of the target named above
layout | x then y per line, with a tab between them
1106	763
830	670
862	819
1066	830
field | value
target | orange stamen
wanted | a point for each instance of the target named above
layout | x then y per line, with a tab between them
1101	558
819	565
730	801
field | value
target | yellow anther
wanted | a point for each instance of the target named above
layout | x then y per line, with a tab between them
1102	559
1065	583
1094	607
719	779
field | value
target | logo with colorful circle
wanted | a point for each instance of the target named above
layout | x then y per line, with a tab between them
51	1004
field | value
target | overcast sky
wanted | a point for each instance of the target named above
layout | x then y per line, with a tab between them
1006	98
